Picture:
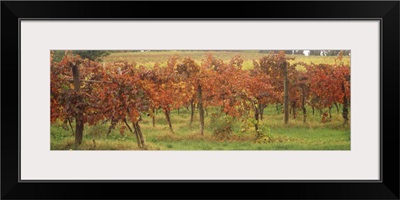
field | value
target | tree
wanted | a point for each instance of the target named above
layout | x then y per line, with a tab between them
261	92
96	94
277	67
330	84
123	98
165	88
71	85
301	86
197	77
91	54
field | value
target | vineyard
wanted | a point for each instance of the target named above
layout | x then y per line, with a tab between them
200	101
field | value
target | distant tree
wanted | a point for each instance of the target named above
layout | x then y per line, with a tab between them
288	52
94	55
58	55
315	52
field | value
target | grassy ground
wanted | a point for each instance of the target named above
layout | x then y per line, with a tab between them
312	135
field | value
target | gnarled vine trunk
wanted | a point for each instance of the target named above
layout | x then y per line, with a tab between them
345	113
303	104
256	115
337	107
167	116
139	135
261	111
112	126
153	117
294	110
134	132
191	111
200	107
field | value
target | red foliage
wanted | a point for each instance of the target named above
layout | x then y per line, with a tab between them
121	91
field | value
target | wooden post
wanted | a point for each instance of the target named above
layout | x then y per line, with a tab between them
79	115
303	104
286	93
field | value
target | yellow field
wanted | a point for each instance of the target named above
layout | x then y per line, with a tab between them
148	59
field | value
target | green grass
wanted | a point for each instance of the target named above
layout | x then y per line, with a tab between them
312	135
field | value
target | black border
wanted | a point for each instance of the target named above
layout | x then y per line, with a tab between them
221	180
387	11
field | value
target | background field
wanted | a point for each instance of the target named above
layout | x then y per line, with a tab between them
297	135
149	58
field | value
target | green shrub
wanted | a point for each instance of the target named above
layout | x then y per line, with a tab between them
263	133
221	125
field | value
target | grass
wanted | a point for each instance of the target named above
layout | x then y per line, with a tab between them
312	135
